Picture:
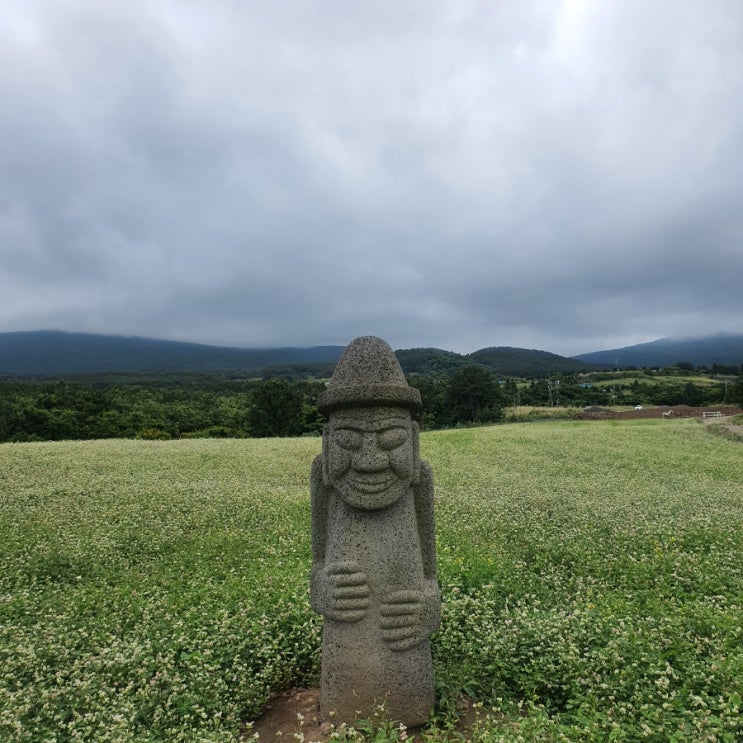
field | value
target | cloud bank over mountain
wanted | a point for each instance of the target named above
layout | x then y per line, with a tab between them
562	176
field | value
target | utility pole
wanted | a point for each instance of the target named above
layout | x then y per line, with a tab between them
553	389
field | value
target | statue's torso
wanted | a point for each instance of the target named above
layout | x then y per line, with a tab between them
385	546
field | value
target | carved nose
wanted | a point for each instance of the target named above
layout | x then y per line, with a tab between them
370	458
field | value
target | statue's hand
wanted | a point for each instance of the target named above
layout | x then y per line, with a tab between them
346	590
401	612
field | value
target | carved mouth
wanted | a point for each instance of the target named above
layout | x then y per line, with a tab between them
371	485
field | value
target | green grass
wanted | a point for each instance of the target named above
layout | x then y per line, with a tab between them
654	380
591	572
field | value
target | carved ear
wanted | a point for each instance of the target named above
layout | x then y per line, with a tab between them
325	450
416	453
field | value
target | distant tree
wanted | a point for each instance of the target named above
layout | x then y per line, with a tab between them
433	397
735	395
691	395
313	419
277	409
725	369
473	396
666	393
535	393
512	393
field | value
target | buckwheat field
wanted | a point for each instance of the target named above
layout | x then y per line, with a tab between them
591	575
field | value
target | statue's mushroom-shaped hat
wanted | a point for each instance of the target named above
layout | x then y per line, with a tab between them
368	374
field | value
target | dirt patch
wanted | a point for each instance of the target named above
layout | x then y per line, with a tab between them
661	411
297	710
291	712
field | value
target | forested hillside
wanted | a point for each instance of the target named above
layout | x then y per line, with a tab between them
724	349
54	353
430	361
520	362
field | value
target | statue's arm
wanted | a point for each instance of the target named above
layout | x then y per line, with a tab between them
338	590
425	520
319	505
408	617
424	512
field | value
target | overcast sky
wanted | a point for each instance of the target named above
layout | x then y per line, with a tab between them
566	176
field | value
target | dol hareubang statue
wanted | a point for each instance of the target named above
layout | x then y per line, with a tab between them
373	543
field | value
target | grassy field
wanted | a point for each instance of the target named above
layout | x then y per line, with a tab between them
652	380
591	572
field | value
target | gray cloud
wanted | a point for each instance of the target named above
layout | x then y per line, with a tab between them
560	176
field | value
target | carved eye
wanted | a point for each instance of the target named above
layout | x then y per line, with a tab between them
391	438
347	438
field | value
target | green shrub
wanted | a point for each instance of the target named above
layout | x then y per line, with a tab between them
153	434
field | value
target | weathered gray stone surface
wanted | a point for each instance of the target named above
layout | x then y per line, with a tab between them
373	543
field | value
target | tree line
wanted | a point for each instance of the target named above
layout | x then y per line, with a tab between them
210	406
201	407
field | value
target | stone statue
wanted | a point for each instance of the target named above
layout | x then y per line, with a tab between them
373	543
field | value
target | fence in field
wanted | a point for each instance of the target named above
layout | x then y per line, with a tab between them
711	414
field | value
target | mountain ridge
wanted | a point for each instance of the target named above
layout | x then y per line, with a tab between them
54	352
721	348
59	353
